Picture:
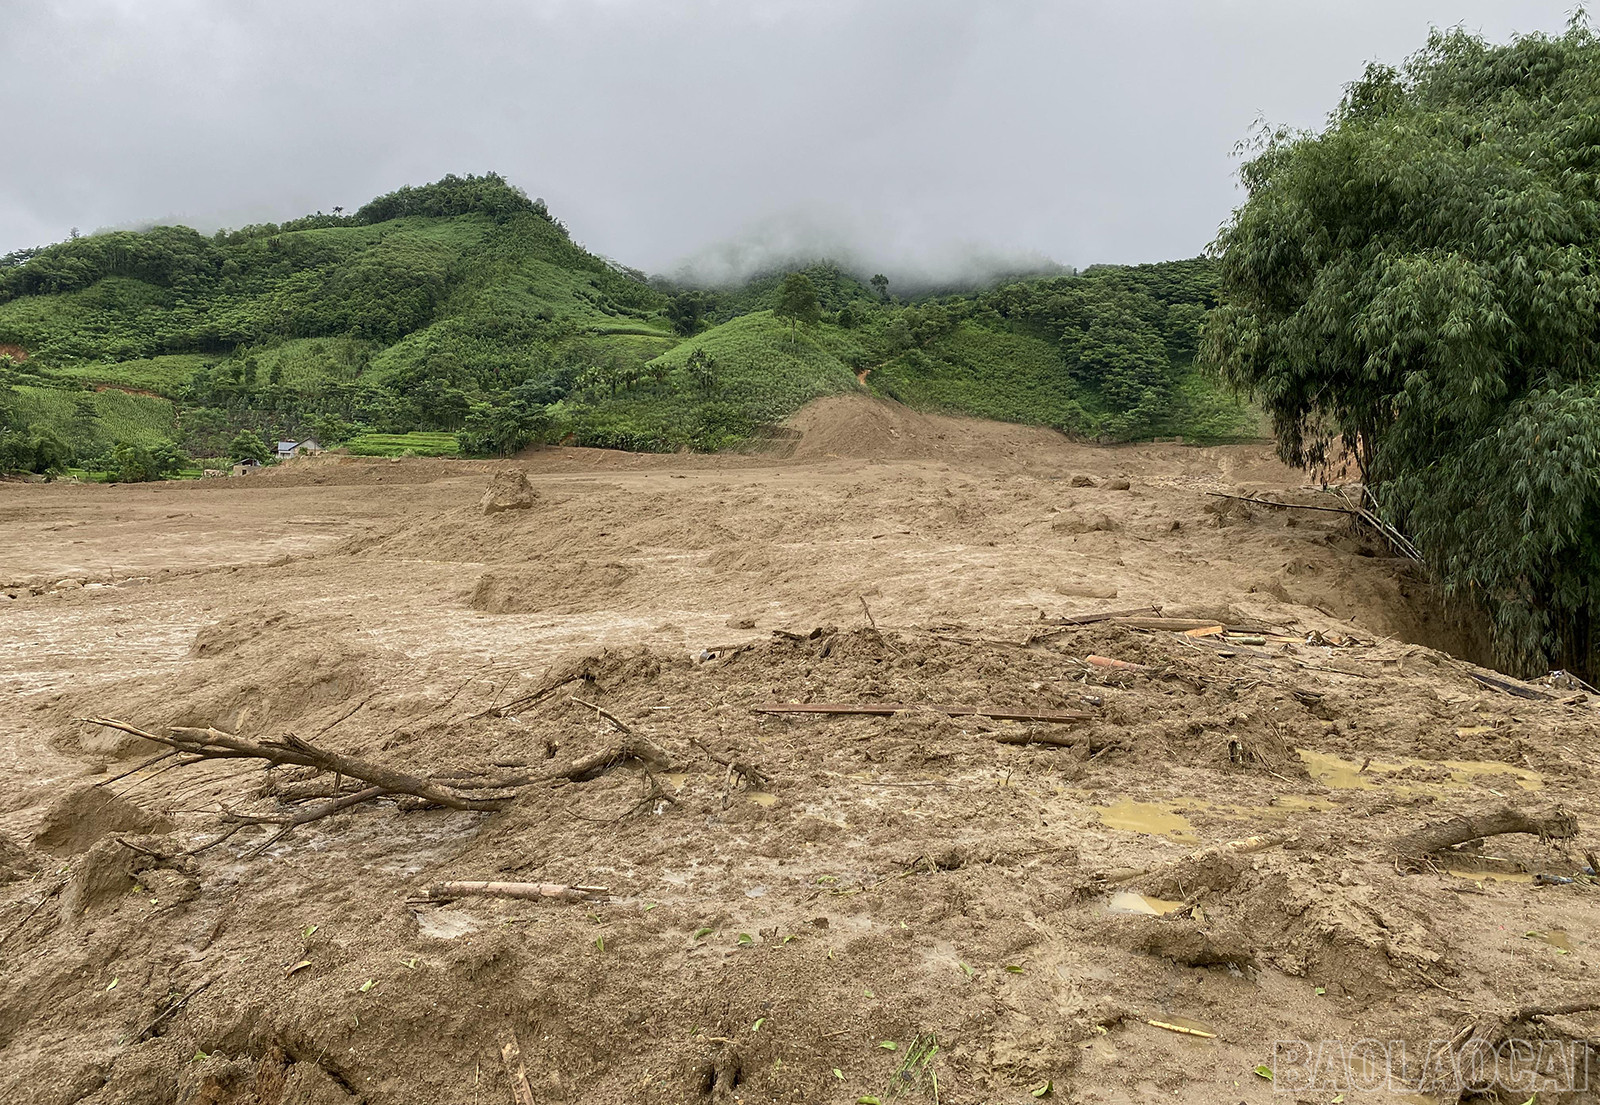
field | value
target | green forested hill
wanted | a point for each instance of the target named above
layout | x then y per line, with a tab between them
462	315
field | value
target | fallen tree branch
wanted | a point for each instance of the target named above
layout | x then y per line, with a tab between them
1288	506
215	744
312	813
531	698
1556	824
753	775
529	891
885	709
172	1009
56	888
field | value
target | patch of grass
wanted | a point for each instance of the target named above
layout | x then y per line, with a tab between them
988	373
165	376
416	443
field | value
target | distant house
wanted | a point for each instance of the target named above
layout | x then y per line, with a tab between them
288	449
246	466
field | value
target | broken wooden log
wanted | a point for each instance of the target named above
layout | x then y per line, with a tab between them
1057	740
1102	616
1114	665
885	709
1555	824
528	891
1245	846
1508	686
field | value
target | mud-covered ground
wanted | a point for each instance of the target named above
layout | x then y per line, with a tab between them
895	884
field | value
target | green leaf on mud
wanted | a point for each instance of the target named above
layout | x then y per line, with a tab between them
409	964
1013	968
367	985
1045	1089
867	1099
1321	990
757	1026
1263	1071
707	931
966	969
310	931
745	939
889	1045
839	1074
113	985
600	942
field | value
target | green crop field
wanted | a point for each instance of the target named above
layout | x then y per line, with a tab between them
137	419
395	445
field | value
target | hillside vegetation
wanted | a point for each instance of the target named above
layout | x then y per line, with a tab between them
463	309
1420	281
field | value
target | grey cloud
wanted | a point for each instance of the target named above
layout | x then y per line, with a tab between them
914	136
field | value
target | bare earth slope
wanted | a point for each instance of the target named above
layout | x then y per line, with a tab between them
894	880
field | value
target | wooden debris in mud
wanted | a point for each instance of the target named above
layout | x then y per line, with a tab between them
1554	824
526	891
885	709
1202	1033
1487	1030
516	1072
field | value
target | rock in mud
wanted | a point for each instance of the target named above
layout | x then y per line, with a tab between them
1118	485
1081	480
509	491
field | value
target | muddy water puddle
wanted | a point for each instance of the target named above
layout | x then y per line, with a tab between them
1341	774
1153	818
1160	818
1126	901
1556	938
1489	876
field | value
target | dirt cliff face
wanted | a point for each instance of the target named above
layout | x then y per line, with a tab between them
1147	902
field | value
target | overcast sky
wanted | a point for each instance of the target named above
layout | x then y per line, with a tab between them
917	133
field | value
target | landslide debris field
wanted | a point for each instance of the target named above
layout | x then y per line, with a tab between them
795	907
